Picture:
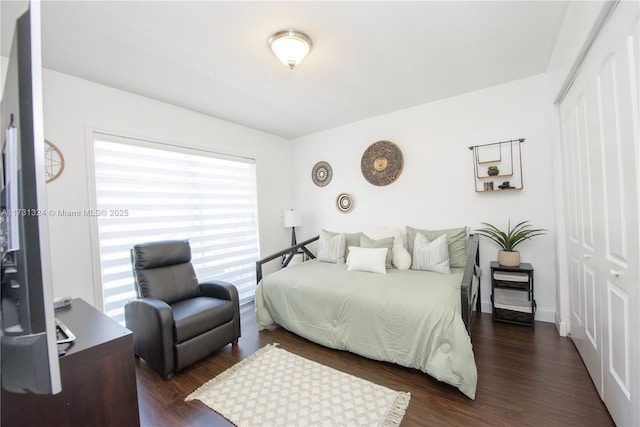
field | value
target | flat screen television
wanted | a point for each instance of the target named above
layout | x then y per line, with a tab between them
29	354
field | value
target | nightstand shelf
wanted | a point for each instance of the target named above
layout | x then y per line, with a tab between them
512	298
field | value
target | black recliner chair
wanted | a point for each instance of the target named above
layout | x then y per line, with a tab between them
176	321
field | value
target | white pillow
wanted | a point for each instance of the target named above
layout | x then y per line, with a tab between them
401	258
431	256
331	247
367	259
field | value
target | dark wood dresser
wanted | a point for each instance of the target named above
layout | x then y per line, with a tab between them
98	377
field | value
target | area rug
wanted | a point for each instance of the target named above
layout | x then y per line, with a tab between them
273	387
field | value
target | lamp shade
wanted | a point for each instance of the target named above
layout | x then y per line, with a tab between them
292	219
290	46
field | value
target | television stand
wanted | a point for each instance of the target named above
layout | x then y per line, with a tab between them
98	377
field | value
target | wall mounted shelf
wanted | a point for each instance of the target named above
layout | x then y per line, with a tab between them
498	166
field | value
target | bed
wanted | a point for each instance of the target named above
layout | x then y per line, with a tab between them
417	319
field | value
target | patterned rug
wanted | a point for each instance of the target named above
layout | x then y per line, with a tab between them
273	387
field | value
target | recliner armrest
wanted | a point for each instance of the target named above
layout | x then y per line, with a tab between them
227	291
151	321
219	289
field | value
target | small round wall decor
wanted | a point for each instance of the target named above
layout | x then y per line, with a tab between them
344	202
53	161
321	174
382	163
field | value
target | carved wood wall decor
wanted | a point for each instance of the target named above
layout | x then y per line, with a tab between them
382	163
321	174
344	202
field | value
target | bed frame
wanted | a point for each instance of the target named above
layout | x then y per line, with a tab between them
468	298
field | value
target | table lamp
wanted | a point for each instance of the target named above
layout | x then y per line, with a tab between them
292	219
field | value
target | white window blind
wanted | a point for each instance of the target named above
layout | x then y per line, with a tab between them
150	192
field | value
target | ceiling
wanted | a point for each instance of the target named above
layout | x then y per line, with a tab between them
369	57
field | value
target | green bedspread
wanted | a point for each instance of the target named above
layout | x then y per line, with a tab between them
407	317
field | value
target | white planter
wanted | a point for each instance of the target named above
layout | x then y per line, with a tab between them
509	259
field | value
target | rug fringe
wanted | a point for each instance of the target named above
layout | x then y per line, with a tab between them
397	410
232	370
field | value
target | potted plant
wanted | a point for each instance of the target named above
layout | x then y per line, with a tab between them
493	170
508	240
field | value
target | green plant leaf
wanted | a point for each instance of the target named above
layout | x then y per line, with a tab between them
510	239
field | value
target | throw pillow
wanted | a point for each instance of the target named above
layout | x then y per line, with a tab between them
431	256
401	258
457	238
351	239
331	247
387	242
371	260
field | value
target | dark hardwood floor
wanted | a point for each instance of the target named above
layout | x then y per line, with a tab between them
525	378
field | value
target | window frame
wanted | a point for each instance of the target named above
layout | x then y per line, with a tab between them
119	137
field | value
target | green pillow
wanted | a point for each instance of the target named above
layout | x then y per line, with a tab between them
457	242
387	242
351	239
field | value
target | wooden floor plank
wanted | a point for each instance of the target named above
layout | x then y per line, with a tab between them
525	377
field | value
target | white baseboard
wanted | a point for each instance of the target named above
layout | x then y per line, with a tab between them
542	314
562	326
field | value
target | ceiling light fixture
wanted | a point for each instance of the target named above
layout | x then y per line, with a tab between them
290	46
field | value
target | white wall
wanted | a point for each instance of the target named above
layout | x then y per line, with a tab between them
433	137
577	27
74	106
4	64
436	188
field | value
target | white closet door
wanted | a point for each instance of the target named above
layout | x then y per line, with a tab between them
601	142
584	189
616	76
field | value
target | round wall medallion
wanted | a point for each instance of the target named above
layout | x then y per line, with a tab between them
344	202
321	174
53	161
382	163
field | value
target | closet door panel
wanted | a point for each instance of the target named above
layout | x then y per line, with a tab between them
620	124
616	175
583	178
618	329
591	304
601	153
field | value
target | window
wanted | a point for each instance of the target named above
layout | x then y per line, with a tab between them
149	191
